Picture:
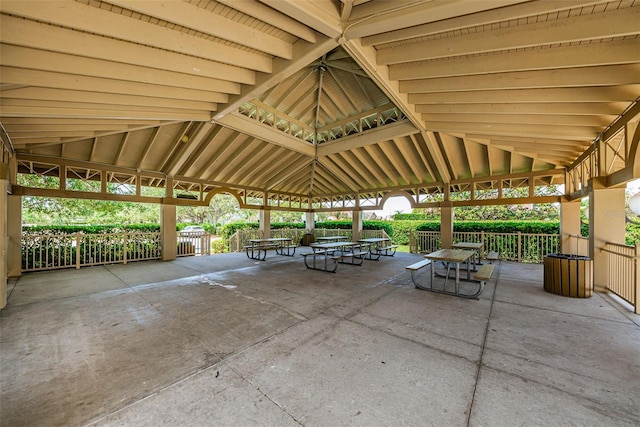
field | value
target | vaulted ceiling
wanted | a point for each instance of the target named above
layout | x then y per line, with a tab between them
316	97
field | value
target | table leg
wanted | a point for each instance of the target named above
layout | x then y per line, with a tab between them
458	276
433	272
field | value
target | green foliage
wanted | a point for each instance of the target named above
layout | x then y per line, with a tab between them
209	228
50	210
632	236
334	225
533	227
89	229
429	226
537	212
402	230
280	225
410	216
219	246
227	230
387	226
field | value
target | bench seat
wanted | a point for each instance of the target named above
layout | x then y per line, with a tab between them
484	273
492	256
418	265
389	250
355	257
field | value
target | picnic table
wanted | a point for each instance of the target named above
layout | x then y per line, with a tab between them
379	246
326	256
475	246
329	239
257	249
452	257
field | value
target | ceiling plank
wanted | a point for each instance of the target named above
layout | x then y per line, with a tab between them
597	53
568	77
102	85
273	17
367	20
321	15
563	108
204	21
487	17
71	14
21	32
559	132
608	24
625	93
539	119
37	59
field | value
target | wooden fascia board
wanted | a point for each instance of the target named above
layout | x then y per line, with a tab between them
321	15
94	20
244	124
207	22
372	136
407	15
22	32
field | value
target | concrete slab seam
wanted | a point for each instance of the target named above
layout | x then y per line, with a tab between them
483	346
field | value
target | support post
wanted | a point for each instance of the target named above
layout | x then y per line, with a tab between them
265	223
168	231
356	225
569	226
4	241
607	218
14	226
310	222
446	224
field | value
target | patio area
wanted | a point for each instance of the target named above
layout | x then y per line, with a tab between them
225	340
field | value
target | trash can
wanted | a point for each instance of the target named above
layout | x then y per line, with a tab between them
307	239
568	275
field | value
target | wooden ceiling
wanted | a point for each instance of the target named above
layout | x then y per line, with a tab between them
316	98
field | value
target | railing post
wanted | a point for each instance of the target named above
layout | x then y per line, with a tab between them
484	249
636	280
519	246
77	250
412	242
124	248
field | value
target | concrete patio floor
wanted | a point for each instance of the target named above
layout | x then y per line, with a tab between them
224	340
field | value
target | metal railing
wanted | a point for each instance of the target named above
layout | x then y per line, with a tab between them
56	251
521	247
624	272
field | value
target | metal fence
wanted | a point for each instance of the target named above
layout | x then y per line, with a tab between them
521	247
624	277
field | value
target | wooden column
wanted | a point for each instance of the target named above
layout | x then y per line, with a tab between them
265	223
356	225
607	219
4	240
168	231
310	221
569	226
446	224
